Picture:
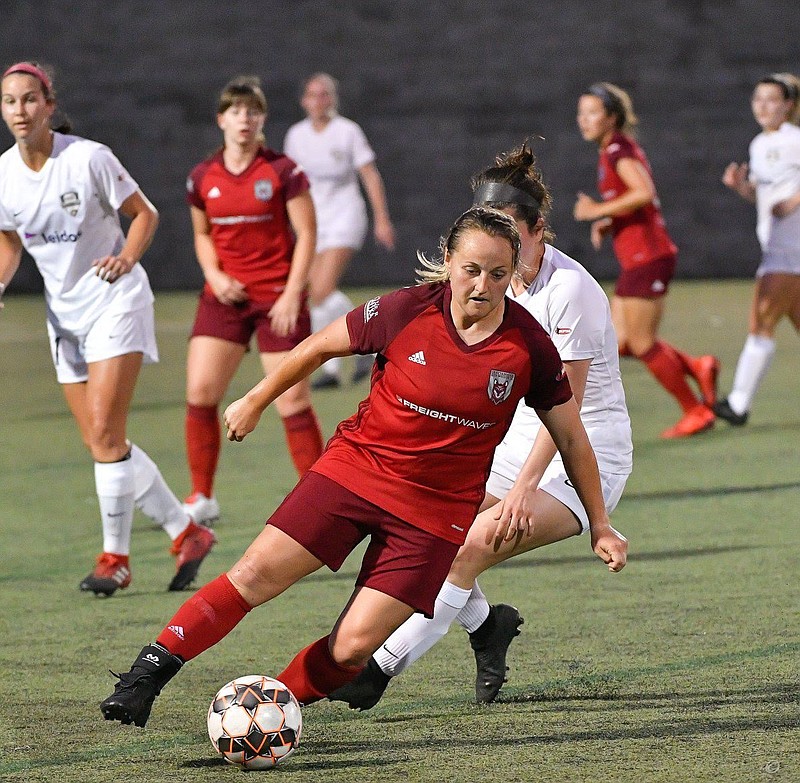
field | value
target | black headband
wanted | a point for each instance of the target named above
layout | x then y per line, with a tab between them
789	88
503	193
611	102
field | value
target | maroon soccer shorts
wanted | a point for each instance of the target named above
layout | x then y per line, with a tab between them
648	281
238	323
401	560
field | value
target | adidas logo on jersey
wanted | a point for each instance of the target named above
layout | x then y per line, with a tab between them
214	192
177	630
417	357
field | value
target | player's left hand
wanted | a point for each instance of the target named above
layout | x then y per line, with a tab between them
240	418
111	268
785	208
284	314
514	517
384	234
611	547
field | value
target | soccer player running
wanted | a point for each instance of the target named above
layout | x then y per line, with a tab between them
335	155
773	184
60	196
407	470
630	210
254	233
567	301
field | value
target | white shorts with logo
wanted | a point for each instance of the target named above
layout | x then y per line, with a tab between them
506	467
112	334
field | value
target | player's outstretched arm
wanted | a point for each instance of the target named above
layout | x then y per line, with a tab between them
241	416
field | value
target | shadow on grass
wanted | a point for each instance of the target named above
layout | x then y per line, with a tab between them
682	494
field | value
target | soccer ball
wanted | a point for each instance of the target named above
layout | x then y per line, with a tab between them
254	722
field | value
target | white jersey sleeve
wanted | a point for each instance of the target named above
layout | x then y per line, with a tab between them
111	178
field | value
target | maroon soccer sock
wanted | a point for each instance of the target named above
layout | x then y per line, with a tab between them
203	437
304	438
208	616
313	673
666	366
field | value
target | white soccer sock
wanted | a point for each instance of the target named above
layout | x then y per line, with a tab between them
154	497
334	306
418	634
115	492
754	361
475	611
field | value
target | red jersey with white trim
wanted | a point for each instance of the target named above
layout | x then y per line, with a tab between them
640	236
421	445
250	227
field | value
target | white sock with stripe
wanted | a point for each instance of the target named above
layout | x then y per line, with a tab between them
475	611
418	634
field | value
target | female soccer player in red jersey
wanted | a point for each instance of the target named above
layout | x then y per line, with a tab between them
631	212
60	196
408	469
772	182
254	234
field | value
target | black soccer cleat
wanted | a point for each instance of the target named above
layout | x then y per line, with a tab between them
723	410
490	644
137	689
366	690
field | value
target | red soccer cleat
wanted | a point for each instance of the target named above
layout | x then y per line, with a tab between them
111	573
705	370
191	548
698	419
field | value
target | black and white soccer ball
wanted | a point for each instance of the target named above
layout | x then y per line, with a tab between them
255	722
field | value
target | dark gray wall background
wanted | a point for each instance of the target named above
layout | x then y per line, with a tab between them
439	88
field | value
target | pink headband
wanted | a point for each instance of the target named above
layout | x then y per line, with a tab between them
31	70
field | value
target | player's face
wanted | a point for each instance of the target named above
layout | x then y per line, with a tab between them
242	124
531	247
770	108
317	101
25	109
480	269
594	122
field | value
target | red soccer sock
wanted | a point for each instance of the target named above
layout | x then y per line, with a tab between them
203	436
208	616
313	673
666	365
304	438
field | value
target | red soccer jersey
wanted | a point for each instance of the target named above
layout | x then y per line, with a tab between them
640	236
249	224
421	445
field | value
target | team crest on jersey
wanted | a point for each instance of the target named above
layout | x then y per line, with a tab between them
500	384
263	189
71	202
371	309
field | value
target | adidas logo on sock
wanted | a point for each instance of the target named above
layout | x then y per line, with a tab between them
177	630
418	357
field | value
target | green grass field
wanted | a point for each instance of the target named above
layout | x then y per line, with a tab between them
684	667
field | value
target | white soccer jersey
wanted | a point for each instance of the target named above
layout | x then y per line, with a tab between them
573	309
331	159
775	171
66	216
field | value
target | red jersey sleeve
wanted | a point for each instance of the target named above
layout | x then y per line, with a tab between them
549	385
620	147
193	196
373	325
292	176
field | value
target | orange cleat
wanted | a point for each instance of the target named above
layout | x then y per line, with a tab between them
698	419
191	548
705	370
112	573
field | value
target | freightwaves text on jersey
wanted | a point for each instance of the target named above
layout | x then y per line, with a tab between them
451	418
